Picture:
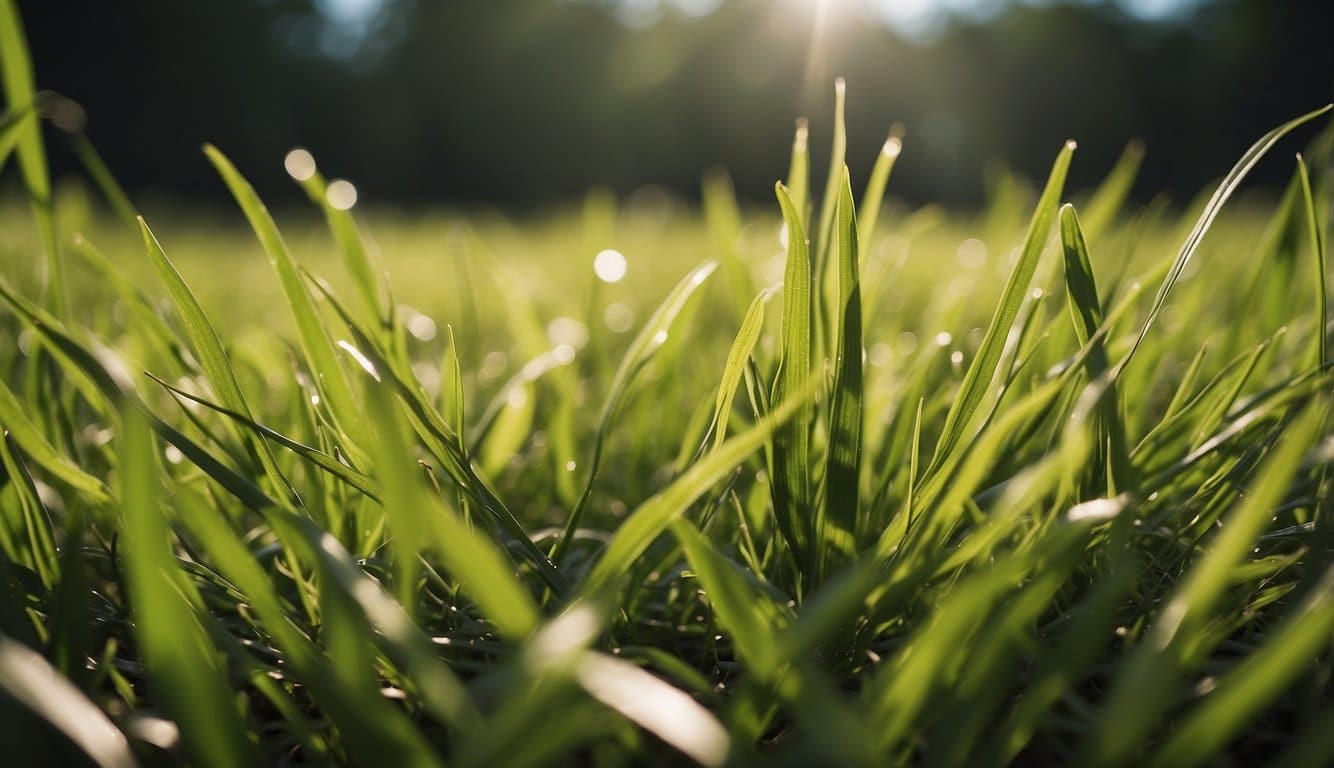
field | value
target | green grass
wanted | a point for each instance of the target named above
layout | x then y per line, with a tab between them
1041	485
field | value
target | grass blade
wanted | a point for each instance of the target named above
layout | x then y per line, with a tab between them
649	340
656	706
1081	289
1220	196
444	443
29	437
824	232
314	456
746	615
486	573
1110	463
654	515
742	346
982	369
838	523
208	349
1318	252
33	521
183	665
26	676
13	123
323	362
872	199
792	465
21	93
301	166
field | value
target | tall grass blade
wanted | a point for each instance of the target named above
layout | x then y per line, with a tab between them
982	369
1318	251
344	227
1111	458
792	497
323	362
183	666
20	89
838	151
742	347
1220	196
208	349
873	198
834	532
443	442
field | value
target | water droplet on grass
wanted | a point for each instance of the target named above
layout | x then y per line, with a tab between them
300	164
341	194
609	266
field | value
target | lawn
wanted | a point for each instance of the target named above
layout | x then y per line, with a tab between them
834	480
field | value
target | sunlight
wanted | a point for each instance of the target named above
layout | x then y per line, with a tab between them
825	8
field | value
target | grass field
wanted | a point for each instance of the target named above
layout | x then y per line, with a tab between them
833	482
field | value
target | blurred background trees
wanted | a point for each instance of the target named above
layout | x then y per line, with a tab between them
522	102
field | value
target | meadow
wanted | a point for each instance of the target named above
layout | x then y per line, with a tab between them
835	481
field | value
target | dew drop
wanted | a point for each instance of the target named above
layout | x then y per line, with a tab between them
341	194
609	266
300	164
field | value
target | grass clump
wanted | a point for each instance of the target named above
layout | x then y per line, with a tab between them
929	506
